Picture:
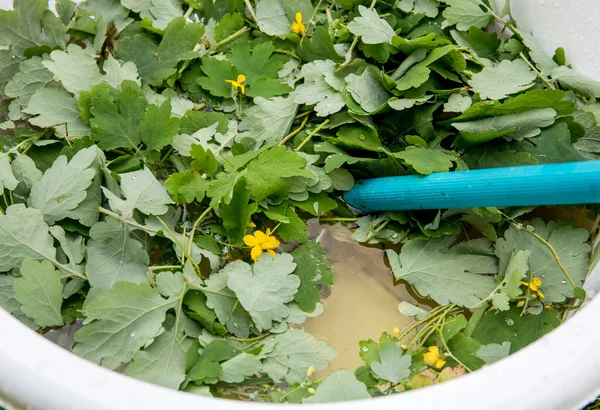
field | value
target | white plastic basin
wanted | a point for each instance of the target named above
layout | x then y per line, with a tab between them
560	371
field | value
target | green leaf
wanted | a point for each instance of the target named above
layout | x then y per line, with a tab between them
465	349
142	191
426	160
236	215
258	62
23	169
317	204
119	322
484	45
542	60
367	89
466	14
267	88
264	174
508	77
288	355
517	126
295	230
217	73
510	287
318	47
204	160
411	310
110	10
265	288
446	273
117	124
7	177
187	187
236	369
569	243
9	67
222	300
23	235
406	103
458	103
77	70
208	367
572	80
55	108
30	25
195	301
158	127
493	352
371	28
39	290
393	366
32	75
268	120
271	17
313	270
113	255
358	137
322	86
510	326
553	145
419	73
63	187
156	63
339	386
589	145
492	156
163	362
529	100
169	284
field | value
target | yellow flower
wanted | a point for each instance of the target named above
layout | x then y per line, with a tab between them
250	224
310	371
298	26
396	332
239	83
534	286
260	242
432	357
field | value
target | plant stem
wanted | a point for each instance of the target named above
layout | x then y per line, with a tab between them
287	53
165	267
251	339
312	18
195	226
295	132
17	147
251	10
348	54
474	321
304	114
215	46
125	221
312	134
450	352
188	13
179	308
544	79
339	219
552	250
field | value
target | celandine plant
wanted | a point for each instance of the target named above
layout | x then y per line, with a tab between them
157	154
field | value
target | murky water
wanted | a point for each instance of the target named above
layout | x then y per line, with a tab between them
361	304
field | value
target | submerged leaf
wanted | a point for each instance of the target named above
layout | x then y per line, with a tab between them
446	273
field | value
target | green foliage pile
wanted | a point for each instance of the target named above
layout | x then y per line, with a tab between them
144	140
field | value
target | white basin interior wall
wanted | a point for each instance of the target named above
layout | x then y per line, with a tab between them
559	371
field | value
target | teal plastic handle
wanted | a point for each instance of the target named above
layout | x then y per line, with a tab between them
550	184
